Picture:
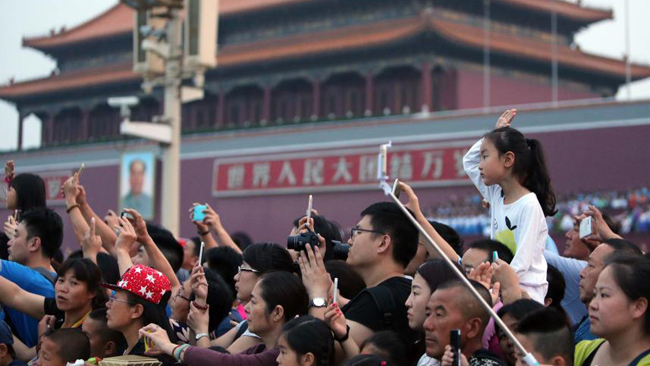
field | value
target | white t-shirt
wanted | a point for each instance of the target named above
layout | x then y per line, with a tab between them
521	226
427	361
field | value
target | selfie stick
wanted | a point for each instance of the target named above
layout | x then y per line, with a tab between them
388	191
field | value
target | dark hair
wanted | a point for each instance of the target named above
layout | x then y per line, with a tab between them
86	271
107	334
556	287
436	272
623	246
350	283
107	265
329	231
490	246
307	334
366	360
530	164
47	225
268	257
197	246
631	274
220	298
389	218
450	235
519	309
242	239
548	324
390	346
30	191
224	261
168	245
64	338
613	225
469	306
284	289
153	313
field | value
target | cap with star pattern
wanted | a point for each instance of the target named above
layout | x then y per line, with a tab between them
143	281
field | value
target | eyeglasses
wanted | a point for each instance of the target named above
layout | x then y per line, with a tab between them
355	230
113	298
241	269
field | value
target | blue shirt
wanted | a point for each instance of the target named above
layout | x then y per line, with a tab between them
582	331
570	269
29	280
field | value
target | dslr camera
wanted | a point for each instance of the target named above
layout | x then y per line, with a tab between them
298	242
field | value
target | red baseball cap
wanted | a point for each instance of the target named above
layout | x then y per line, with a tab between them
145	282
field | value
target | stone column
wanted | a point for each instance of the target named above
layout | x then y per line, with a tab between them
316	83
266	105
427	88
21	120
370	91
221	109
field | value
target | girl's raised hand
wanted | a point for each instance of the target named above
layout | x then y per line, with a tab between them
506	118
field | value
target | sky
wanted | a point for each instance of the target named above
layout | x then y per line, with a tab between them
29	18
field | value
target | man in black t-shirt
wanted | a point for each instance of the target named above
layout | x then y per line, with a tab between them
381	246
452	306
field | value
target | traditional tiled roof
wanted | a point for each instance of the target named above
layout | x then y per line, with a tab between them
563	8
353	38
119	18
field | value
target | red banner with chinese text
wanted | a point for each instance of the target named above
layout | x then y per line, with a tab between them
421	165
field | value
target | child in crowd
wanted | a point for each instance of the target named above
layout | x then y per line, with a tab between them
510	172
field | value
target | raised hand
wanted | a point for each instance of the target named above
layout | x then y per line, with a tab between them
199	283
91	244
314	275
336	320
506	118
138	223
198	319
200	225
126	235
413	202
158	336
10	227
483	275
448	357
9	169
111	218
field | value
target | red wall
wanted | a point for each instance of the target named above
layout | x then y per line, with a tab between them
509	91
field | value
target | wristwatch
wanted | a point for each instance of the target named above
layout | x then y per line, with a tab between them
317	302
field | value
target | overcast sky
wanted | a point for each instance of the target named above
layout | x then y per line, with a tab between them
36	17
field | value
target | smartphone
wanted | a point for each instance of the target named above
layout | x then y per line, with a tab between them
81	169
201	254
397	189
454	342
126	215
199	215
336	290
495	257
310	204
586	228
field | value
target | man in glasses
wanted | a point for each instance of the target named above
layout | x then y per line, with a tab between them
381	246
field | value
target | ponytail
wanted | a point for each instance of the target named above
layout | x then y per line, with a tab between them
537	178
530	164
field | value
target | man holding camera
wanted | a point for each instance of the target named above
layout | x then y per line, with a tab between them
381	246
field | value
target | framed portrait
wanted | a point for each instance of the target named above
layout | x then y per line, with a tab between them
137	182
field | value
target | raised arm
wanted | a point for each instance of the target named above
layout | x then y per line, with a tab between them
71	192
105	232
414	205
213	221
156	257
16	298
203	230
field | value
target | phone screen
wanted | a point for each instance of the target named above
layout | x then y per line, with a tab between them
310	204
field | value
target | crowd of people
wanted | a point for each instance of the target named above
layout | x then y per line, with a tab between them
391	298
630	209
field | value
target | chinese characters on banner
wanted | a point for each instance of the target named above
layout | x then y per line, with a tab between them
53	184
335	170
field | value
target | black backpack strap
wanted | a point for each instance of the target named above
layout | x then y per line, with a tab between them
639	357
590	358
384	300
241	330
47	274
